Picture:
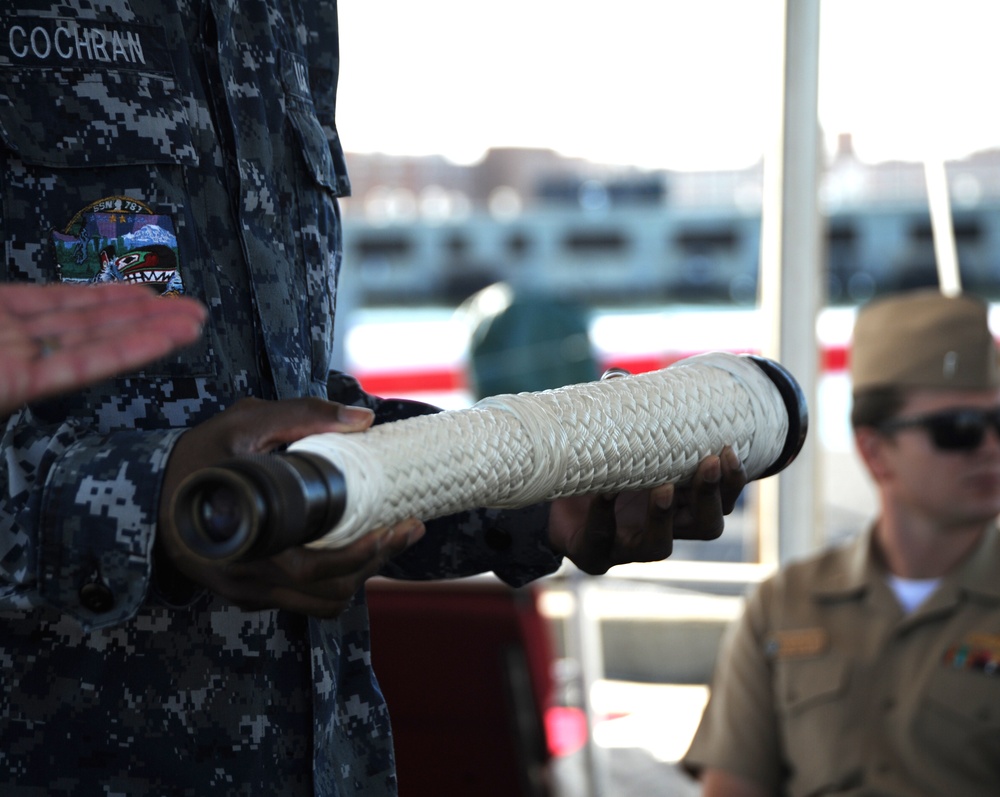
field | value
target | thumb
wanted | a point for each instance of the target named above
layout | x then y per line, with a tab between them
275	424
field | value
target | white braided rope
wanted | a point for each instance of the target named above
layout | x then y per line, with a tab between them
630	433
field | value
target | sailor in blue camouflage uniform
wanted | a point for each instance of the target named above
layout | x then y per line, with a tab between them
190	145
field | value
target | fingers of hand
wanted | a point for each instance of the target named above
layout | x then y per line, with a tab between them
593	547
254	426
645	525
279	423
699	514
102	312
734	479
316	582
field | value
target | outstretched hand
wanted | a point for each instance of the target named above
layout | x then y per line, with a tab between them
598	532
61	337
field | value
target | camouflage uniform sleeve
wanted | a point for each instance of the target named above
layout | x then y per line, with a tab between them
511	543
77	520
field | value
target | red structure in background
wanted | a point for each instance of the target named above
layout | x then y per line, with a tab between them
466	668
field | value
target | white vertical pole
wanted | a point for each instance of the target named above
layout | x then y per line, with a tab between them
791	277
942	229
584	644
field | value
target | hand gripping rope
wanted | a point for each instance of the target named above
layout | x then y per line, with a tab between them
628	433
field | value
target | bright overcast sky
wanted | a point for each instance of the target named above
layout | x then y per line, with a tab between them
660	83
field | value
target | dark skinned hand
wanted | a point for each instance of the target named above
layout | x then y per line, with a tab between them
300	579
598	532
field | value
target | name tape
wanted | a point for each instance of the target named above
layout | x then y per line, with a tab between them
75	43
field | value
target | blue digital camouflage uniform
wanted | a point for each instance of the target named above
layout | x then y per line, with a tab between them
186	145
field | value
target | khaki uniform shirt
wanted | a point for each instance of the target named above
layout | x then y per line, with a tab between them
825	687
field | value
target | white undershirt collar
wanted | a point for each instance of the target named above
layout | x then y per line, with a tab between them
912	592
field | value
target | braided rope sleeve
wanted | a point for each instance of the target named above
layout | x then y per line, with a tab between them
629	433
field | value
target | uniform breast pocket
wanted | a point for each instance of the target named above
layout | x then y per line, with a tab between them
811	693
96	166
959	720
808	684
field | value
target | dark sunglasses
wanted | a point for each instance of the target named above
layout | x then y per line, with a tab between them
952	430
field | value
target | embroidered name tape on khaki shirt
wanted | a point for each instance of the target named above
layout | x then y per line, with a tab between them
797	643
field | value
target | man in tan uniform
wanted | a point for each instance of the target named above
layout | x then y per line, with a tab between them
874	669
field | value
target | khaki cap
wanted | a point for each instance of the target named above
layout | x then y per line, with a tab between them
924	339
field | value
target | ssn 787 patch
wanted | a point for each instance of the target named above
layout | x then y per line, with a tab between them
120	239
